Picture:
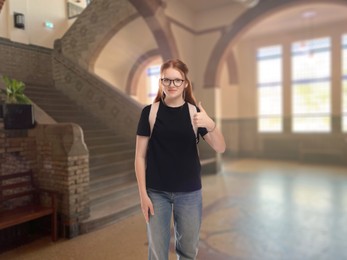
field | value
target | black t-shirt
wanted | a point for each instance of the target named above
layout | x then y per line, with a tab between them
172	162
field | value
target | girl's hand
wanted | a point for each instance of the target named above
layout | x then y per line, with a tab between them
146	207
201	119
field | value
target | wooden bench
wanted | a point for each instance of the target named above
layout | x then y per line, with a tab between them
20	201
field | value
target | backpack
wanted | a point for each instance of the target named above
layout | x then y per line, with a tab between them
153	116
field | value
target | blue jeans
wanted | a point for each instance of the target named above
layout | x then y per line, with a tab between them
186	208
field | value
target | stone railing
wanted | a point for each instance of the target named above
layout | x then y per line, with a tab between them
115	109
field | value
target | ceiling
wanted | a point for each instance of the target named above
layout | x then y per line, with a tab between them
293	18
203	5
287	19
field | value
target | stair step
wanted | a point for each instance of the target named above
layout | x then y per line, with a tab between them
111	168
132	198
48	99
40	87
112	157
111	192
113	178
52	106
44	94
62	119
101	131
100	149
102	140
78	116
41	91
111	212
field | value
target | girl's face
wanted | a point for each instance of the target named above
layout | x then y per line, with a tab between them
173	84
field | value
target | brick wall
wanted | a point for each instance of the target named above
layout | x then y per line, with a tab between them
59	158
63	166
31	64
17	151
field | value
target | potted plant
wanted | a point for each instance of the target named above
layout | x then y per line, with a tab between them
17	109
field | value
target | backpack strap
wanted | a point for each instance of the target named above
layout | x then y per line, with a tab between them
192	112
153	115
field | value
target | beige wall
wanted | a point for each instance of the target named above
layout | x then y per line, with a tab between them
122	51
36	12
179	12
218	17
228	97
186	43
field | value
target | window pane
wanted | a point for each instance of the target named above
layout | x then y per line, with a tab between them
344	83
153	74
311	70
311	98
269	61
271	124
311	124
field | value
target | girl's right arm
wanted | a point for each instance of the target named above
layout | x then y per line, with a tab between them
140	170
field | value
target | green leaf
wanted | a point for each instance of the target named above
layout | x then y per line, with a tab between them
15	91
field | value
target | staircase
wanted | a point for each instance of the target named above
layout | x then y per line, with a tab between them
113	188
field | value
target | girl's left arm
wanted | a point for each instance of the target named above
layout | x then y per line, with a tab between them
214	137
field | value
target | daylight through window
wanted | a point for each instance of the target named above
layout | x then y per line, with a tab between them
269	61
311	85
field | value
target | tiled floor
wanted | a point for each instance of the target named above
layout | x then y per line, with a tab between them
253	209
275	210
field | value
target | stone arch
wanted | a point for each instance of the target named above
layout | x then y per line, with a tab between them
153	13
220	53
232	68
92	30
135	72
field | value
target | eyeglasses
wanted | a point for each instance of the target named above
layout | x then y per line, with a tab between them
167	82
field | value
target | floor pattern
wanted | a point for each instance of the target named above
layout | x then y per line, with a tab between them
253	209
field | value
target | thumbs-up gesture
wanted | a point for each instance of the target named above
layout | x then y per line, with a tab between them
201	119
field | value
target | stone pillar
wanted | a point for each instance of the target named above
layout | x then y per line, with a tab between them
63	166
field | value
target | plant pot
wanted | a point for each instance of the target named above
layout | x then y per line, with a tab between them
1	110
18	116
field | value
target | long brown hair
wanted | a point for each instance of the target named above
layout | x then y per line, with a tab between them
181	67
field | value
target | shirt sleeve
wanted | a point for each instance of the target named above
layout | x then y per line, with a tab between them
143	127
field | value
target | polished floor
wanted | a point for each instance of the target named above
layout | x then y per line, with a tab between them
253	209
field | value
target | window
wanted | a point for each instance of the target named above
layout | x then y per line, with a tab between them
269	61
153	74
344	83
311	85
